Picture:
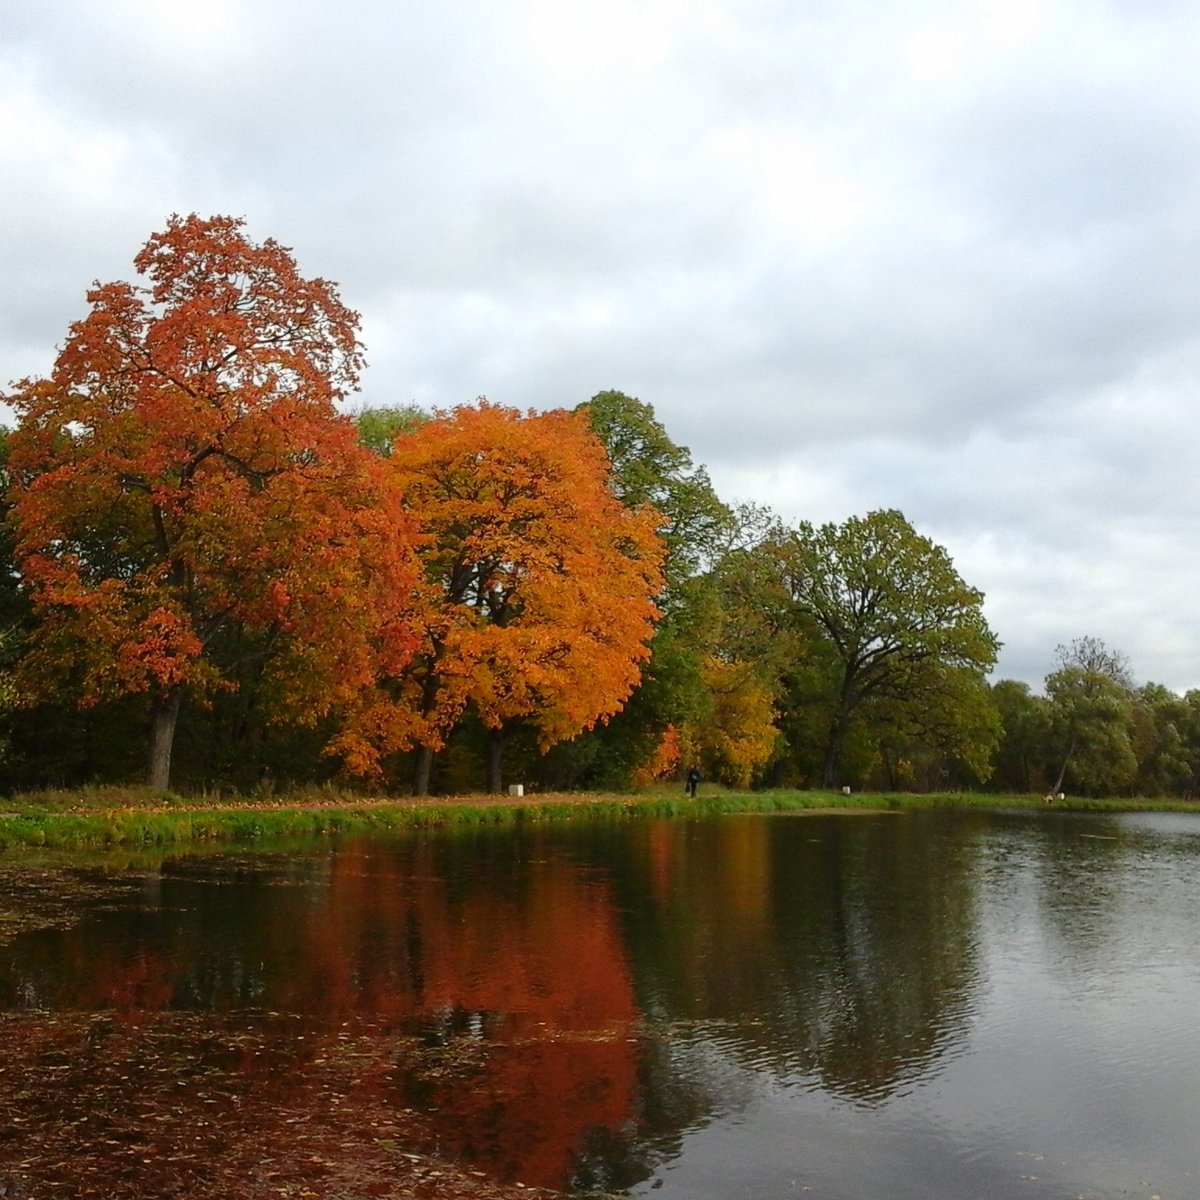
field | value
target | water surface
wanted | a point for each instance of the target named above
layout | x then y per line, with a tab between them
919	1006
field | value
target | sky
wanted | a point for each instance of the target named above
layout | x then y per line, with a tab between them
938	257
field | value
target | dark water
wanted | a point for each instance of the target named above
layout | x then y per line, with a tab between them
925	1006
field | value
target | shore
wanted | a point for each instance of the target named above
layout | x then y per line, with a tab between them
129	817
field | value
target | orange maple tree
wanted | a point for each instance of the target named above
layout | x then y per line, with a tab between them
539	585
184	470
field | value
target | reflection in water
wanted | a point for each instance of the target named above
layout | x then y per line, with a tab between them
694	1008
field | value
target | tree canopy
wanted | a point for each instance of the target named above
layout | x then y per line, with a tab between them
886	615
184	469
193	524
537	600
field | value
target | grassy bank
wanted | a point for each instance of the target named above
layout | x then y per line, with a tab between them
137	817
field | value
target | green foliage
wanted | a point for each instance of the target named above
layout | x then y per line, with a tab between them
378	428
1166	738
649	468
888	627
1091	719
1024	725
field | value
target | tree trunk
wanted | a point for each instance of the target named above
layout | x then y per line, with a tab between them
848	697
833	749
1057	785
495	752
422	769
164	715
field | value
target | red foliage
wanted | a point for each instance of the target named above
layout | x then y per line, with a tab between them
184	471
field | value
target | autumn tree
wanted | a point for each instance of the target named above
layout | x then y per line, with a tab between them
737	736
184	471
537	602
648	467
886	617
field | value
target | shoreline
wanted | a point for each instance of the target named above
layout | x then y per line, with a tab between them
92	819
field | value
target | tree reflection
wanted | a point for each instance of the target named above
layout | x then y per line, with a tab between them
507	995
524	1002
842	950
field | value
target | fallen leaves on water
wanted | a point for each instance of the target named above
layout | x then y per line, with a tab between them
203	1107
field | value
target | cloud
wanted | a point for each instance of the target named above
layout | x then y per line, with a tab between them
918	255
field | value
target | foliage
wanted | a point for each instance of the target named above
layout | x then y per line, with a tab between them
183	472
1166	741
1024	725
738	738
647	467
378	428
889	618
944	733
1091	716
537	598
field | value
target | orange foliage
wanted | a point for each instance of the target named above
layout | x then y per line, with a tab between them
539	585
739	735
184	470
665	760
548	1031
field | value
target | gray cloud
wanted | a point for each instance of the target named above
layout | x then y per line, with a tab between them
928	256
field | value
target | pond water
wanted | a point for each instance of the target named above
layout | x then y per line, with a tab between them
919	1006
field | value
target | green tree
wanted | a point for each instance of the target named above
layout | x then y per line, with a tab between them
1166	741
944	732
1091	718
378	428
649	468
890	618
1024	725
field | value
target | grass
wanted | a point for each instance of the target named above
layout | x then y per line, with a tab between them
131	817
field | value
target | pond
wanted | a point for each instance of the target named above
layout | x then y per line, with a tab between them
922	1006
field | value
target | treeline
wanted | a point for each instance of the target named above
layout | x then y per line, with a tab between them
215	580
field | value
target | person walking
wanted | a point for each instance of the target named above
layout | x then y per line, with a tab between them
693	781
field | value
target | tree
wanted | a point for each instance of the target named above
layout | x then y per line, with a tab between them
737	739
183	471
1091	714
538	596
892	617
1165	742
648	468
943	732
1024	727
378	428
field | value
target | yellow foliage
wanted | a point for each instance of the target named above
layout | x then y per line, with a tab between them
738	736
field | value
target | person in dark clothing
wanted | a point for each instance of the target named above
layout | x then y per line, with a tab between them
693	781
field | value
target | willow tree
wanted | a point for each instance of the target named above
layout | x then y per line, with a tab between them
1091	707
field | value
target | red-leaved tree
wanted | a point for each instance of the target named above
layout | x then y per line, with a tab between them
184	471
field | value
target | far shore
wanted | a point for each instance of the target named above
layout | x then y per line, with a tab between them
132	816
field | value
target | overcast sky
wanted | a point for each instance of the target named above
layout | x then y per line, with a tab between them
941	257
